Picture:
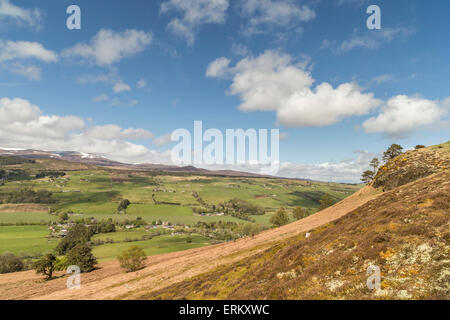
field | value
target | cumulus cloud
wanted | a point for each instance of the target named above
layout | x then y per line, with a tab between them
194	13
325	105
274	82
403	114
108	47
12	50
23	125
263	15
19	16
348	170
218	67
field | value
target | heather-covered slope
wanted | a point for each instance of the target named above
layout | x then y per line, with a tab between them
405	232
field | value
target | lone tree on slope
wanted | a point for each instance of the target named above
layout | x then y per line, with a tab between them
375	163
367	176
393	151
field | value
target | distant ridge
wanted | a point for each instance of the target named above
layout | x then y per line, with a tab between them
93	159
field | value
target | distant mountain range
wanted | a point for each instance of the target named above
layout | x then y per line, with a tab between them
88	158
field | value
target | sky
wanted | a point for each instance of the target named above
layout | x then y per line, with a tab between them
339	93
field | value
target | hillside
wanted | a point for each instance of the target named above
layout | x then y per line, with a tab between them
405	232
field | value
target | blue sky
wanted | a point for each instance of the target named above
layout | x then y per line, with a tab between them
137	70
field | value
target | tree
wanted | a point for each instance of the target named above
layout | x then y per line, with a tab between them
420	146
132	259
45	265
375	163
280	218
76	235
123	205
81	256
10	263
325	202
299	213
367	176
393	151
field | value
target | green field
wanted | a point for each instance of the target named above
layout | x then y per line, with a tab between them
157	245
25	239
94	192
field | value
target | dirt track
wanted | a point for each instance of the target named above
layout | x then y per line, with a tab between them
109	281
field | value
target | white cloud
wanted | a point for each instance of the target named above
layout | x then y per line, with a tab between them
29	72
121	87
274	82
12	50
112	78
325	105
382	79
373	39
23	125
142	83
194	13
119	103
163	140
20	16
402	115
108	47
265	14
348	170
111	131
101	98
218	67
240	49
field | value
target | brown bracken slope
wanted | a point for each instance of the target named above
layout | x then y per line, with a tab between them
405	232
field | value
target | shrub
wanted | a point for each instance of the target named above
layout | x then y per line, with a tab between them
419	146
123	205
81	256
280	218
299	213
10	263
132	259
325	202
46	265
